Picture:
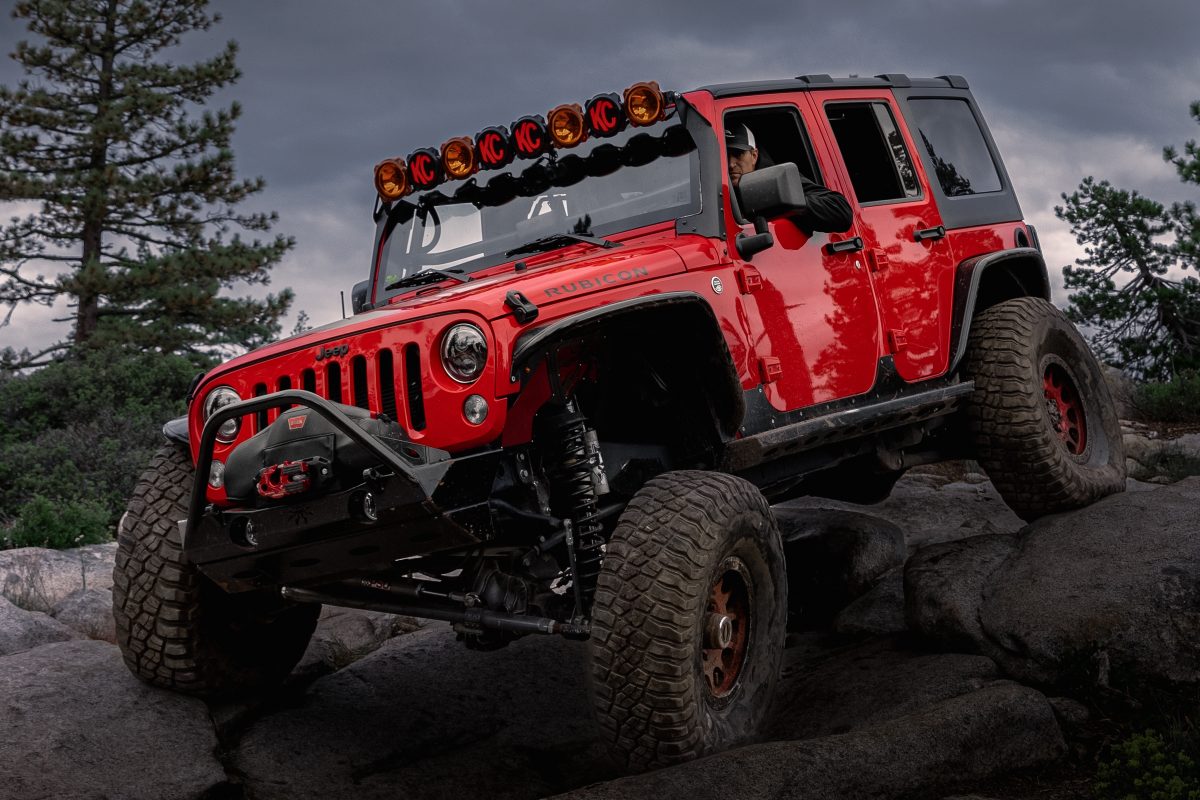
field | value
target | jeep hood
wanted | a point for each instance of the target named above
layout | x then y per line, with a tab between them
544	282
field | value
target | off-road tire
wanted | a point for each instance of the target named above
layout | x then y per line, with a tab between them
675	539
178	630
1011	349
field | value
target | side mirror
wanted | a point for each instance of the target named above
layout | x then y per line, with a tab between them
771	191
358	297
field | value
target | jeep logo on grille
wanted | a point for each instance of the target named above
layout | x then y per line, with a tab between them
331	352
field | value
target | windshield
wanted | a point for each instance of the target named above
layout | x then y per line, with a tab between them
638	177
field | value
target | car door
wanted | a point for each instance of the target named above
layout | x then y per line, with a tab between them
810	308
911	263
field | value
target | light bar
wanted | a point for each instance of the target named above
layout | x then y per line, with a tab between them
565	126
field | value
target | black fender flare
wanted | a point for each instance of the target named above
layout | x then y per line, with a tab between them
983	281
728	400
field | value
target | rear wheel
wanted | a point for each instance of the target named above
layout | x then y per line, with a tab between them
689	619
1041	417
178	630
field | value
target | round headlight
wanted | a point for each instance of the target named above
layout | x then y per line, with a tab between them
464	352
217	399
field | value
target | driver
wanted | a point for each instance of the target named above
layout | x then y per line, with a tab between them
827	210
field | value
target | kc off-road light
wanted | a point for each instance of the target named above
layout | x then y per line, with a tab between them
458	158
464	352
425	168
475	409
605	116
644	103
391	179
566	125
493	147
217	399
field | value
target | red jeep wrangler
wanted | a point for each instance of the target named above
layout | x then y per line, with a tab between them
583	367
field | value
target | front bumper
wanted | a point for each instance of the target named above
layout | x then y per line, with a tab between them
424	501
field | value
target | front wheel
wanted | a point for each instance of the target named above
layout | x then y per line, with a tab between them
1041	418
178	630
689	619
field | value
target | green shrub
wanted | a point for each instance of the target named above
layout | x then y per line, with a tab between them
1146	767
1177	400
58	524
82	430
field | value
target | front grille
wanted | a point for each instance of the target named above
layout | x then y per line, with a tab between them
374	385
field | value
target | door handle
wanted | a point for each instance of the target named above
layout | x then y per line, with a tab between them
929	234
845	246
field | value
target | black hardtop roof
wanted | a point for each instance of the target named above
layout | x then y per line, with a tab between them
806	82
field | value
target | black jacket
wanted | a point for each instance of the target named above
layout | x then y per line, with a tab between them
827	210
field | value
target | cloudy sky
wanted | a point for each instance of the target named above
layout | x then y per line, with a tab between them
329	88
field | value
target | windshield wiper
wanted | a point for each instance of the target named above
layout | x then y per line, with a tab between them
559	240
427	275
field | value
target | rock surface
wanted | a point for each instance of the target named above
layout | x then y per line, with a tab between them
930	507
423	717
835	556
1095	598
89	612
344	635
39	579
973	737
879	612
22	630
75	724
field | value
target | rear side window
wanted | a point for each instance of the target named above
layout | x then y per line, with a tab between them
878	162
956	146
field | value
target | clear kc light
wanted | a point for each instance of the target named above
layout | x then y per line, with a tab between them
464	352
217	399
475	409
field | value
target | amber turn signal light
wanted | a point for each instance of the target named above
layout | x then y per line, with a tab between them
458	158
566	125
644	103
391	179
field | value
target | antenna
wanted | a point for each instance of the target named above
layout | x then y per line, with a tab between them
343	294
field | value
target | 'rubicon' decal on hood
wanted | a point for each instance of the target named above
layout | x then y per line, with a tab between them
587	284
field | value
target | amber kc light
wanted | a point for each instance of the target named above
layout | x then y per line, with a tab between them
391	179
458	158
644	103
566	125
605	116
425	168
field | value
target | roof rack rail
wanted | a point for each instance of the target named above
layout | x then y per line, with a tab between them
896	79
820	78
955	81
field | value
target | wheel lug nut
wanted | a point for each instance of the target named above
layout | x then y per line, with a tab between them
718	631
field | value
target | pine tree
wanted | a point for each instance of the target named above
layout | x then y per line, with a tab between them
1134	292
135	182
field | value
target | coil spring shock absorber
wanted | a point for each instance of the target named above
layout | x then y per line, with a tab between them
573	467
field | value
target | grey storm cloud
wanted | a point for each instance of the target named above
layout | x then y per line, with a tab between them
328	89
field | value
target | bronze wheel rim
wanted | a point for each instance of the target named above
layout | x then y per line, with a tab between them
727	627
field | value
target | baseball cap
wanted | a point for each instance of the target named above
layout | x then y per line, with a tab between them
739	137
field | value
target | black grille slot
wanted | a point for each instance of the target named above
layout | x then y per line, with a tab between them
412	387
260	418
308	380
284	383
387	384
333	381
358	365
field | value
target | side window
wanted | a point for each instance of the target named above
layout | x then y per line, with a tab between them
880	167
956	146
779	137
